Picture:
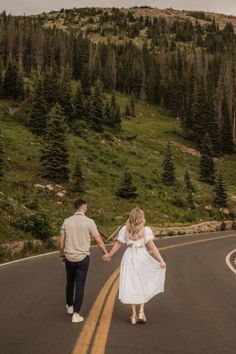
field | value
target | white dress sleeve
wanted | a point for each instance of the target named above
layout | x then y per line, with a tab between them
148	234
121	236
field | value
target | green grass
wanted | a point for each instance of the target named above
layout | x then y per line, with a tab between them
104	160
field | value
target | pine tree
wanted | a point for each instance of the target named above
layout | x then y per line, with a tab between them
107	113
207	165
39	110
97	107
190	200
213	129
65	97
115	122
127	189
51	86
55	155
78	103
127	111
168	175
221	197
78	178
188	182
86	81
117	119
13	86
227	145
1	157
132	106
199	112
187	105
1	81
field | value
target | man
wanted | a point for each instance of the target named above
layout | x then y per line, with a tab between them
76	234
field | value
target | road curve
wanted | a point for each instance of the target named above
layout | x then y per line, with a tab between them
196	314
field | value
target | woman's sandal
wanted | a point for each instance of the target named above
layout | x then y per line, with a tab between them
133	319
142	317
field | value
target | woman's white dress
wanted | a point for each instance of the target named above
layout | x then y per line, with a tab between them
141	275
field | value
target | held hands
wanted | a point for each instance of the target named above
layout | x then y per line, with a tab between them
62	257
106	257
163	264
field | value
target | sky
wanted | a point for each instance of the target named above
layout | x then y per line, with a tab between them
19	7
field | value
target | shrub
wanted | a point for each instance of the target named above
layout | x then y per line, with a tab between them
5	254
38	224
179	201
223	226
31	204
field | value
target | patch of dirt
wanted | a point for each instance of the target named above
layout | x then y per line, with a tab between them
187	149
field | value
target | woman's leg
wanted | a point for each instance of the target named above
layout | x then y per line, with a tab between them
141	316
133	309
133	317
141	309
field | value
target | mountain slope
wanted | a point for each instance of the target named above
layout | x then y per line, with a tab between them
104	158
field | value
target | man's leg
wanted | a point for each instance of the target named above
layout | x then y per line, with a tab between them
70	281
81	275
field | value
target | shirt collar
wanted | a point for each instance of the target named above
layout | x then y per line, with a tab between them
78	213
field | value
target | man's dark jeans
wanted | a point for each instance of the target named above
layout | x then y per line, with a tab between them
76	273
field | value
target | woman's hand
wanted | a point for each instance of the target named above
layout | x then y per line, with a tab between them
163	264
106	257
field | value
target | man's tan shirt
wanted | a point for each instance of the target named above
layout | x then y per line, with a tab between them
78	230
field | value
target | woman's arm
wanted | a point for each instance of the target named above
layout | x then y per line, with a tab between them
117	245
154	250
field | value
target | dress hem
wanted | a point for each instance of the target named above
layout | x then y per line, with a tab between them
143	302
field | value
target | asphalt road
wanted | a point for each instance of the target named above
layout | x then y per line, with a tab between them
195	315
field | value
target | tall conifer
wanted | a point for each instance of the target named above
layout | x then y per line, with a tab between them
55	152
207	165
97	107
188	182
221	197
39	110
65	96
132	106
51	86
168	174
78	178
78	103
127	189
227	145
13	87
1	157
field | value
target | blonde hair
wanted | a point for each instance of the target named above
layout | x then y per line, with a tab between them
135	224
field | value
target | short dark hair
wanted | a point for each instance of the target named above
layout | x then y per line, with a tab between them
78	203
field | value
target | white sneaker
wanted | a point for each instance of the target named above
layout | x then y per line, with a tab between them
77	318
70	309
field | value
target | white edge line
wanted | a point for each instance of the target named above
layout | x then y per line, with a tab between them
39	255
108	244
229	264
27	258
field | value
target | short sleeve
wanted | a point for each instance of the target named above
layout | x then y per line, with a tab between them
148	234
93	230
121	236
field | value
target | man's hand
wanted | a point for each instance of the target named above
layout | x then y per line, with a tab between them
100	243
62	257
106	257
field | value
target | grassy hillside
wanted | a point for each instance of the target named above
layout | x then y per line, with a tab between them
99	23
104	158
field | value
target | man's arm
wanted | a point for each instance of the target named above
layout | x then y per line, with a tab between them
100	243
62	245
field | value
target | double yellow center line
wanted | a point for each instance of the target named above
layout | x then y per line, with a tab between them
93	336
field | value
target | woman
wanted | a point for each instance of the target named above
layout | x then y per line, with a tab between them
141	275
